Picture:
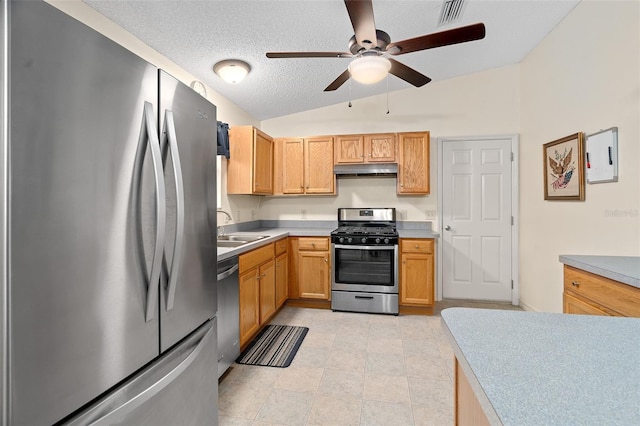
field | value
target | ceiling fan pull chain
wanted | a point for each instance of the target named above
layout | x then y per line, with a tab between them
349	93
387	94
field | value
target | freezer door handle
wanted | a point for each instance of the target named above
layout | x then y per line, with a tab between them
149	136
169	132
132	395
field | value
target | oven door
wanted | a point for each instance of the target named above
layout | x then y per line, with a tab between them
371	269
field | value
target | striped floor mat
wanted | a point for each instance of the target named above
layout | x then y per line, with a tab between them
275	346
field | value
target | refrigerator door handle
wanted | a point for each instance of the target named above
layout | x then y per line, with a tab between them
138	391
170	133
149	136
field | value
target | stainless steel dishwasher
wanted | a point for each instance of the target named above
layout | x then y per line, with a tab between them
228	313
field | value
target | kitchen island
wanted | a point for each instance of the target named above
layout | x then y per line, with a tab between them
529	368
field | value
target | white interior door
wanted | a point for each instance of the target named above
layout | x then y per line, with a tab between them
477	181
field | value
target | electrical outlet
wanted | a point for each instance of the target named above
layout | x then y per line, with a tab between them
431	214
237	215
303	214
253	214
403	214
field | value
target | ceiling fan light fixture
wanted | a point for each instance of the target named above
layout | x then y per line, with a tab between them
233	71
369	69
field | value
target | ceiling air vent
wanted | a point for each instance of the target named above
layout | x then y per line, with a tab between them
451	11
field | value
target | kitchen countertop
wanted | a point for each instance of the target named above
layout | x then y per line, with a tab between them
625	269
534	368
274	234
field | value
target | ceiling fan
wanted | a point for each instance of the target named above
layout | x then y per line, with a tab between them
371	47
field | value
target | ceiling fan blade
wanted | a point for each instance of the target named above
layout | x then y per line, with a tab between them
342	78
408	74
364	26
443	38
309	55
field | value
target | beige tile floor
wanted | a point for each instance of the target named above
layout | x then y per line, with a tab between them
351	369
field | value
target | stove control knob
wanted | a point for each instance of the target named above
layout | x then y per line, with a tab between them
386	241
349	239
364	240
341	239
377	240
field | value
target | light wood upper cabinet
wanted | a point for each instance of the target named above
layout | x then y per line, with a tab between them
380	148
413	163
250	166
369	148
318	164
304	166
349	149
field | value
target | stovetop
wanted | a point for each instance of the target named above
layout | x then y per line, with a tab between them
357	226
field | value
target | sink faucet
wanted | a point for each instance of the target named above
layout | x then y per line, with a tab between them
220	229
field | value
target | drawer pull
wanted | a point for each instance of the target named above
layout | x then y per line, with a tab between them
364	297
417	246
575	283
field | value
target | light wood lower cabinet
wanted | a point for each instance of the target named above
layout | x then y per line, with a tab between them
467	408
257	290
587	293
282	272
310	268
416	272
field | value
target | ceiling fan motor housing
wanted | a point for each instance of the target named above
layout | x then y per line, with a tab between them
382	42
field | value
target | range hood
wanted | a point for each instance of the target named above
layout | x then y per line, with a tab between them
354	170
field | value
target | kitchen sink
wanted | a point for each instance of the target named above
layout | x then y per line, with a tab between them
240	238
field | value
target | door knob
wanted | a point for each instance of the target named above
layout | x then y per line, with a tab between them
447	228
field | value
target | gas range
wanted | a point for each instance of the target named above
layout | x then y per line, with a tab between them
366	227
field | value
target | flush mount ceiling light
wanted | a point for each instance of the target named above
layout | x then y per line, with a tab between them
232	71
369	69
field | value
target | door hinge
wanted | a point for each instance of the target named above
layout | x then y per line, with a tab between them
512	220
512	157
511	284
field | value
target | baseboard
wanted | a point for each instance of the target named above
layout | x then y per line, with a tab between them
526	307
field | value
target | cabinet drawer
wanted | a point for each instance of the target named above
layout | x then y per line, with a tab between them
613	297
281	246
313	243
255	257
416	246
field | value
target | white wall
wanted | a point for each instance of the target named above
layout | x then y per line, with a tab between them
483	103
585	76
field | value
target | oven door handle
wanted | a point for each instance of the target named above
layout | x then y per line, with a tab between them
355	247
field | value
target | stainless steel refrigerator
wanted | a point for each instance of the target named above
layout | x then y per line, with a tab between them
108	232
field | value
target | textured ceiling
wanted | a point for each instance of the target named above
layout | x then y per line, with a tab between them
197	34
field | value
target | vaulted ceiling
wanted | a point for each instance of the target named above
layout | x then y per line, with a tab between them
198	34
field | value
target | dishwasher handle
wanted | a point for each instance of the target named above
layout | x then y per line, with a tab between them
228	272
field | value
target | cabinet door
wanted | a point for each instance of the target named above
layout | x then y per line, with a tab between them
249	305
318	161
293	166
573	305
267	280
262	163
413	163
313	281
416	285
380	148
349	149
282	279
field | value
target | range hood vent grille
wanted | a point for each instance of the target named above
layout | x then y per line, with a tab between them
451	11
355	170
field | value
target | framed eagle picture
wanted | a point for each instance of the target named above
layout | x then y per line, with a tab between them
564	168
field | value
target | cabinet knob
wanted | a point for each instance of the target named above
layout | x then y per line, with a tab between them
575	283
258	277
325	260
402	185
417	246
